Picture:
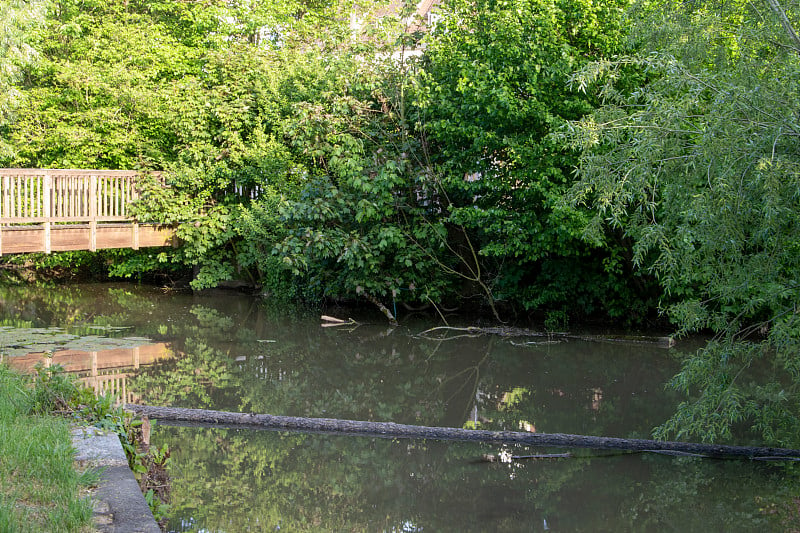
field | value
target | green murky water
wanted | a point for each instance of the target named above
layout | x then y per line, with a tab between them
229	352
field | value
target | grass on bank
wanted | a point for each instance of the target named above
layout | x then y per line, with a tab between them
40	489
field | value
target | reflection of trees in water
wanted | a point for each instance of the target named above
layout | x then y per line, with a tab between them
369	373
254	362
316	482
192	378
73	305
313	482
238	479
326	375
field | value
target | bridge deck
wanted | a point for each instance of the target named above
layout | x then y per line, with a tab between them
62	238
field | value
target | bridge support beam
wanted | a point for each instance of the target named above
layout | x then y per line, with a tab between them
66	237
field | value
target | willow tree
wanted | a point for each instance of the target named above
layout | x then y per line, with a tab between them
700	166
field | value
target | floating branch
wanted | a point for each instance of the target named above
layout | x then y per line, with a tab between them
551	337
332	322
491	458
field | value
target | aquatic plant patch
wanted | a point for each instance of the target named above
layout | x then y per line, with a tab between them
15	342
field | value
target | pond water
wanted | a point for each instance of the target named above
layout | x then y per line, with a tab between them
231	352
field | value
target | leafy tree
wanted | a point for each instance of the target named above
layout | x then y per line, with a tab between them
700	166
18	20
359	227
494	87
195	89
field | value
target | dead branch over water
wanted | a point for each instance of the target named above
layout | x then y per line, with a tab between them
392	430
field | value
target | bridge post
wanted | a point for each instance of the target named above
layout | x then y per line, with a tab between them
133	194
47	186
135	236
93	213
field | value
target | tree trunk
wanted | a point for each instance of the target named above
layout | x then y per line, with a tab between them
392	430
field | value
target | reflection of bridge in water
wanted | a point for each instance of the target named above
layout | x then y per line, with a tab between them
105	371
45	210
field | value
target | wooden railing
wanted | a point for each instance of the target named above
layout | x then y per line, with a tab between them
73	202
35	195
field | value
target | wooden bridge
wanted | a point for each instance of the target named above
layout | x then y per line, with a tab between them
44	210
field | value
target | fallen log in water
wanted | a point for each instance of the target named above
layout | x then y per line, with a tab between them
392	430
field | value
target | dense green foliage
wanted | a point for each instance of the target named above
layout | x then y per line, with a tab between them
493	91
18	21
335	170
557	158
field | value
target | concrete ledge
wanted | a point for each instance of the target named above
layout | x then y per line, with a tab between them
119	506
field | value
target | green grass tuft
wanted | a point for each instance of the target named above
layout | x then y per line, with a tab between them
39	485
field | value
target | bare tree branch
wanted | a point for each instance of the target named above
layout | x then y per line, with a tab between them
786	23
